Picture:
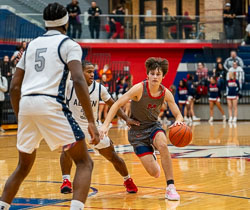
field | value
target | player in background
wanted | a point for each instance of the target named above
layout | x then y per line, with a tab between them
38	99
147	99
214	99
97	92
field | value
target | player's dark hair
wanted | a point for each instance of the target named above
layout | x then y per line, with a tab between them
54	11
157	63
86	63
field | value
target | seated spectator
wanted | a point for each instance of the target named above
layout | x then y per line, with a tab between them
106	70
202	79
238	72
233	58
201	72
220	73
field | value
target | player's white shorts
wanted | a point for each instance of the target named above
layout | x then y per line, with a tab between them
42	117
214	99
104	143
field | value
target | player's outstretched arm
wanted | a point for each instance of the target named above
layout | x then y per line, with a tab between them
169	98
132	94
82	93
15	89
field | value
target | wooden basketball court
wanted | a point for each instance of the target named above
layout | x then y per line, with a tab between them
211	173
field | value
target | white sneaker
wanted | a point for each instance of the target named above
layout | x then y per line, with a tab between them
196	118
110	125
224	118
190	119
99	123
234	120
185	119
230	119
2	130
211	119
171	193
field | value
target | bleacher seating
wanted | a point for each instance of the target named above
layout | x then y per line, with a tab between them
244	53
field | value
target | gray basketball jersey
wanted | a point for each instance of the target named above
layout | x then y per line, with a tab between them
148	108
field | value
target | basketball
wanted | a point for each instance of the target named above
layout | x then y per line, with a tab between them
180	135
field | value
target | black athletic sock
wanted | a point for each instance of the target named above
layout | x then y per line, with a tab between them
170	181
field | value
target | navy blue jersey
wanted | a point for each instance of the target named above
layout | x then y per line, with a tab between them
182	93
213	91
232	88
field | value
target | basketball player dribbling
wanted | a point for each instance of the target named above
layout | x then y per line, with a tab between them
38	99
147	99
97	92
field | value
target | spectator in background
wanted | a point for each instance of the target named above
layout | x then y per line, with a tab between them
168	22
19	48
220	73
74	19
6	68
247	37
3	89
238	72
120	23
202	77
233	58
228	20
112	24
187	25
94	20
107	71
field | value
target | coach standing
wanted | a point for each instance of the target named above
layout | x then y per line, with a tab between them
94	20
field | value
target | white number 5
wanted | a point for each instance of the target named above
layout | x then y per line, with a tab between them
40	60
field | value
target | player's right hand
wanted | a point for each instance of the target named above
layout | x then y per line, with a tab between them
95	139
103	130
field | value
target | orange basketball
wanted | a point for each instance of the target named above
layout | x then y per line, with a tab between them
180	135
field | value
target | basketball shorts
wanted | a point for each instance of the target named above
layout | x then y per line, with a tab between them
42	117
142	140
104	143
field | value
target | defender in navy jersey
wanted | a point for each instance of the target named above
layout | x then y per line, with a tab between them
97	93
147	99
214	99
38	99
232	91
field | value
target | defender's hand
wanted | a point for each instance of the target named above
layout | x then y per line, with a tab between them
130	122
95	139
103	131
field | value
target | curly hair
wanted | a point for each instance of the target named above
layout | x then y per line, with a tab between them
153	63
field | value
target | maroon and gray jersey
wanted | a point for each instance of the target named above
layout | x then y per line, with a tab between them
148	108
